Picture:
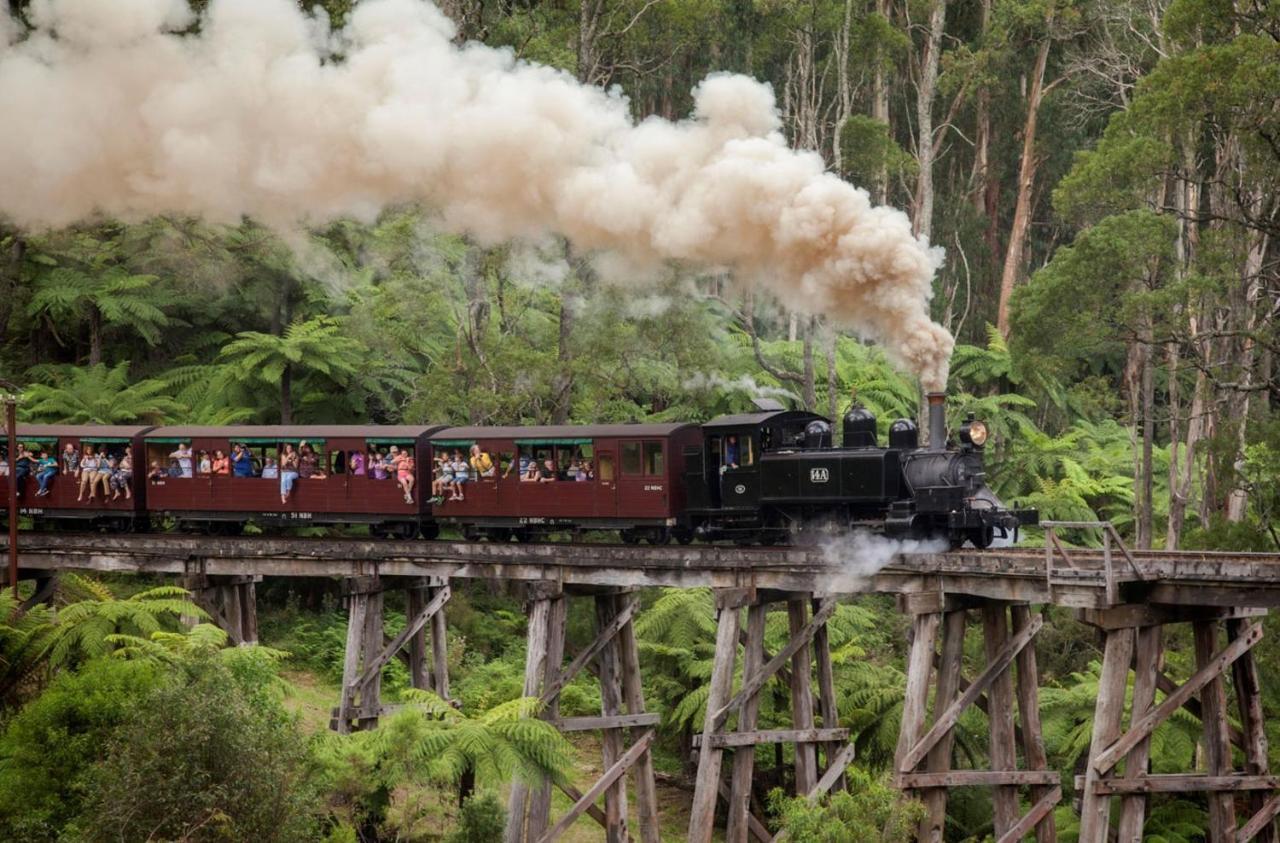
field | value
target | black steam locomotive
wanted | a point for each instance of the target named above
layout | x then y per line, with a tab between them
774	477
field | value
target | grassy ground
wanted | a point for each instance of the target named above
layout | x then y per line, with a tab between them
313	699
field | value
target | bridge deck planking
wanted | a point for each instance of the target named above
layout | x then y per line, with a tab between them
1172	577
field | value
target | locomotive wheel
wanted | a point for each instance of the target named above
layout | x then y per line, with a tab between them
982	537
430	530
659	536
683	535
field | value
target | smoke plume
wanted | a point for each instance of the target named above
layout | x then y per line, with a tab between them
117	109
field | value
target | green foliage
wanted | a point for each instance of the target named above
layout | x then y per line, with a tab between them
97	395
239	770
49	748
481	820
868	812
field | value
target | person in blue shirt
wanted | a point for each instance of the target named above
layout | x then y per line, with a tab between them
241	461
731	452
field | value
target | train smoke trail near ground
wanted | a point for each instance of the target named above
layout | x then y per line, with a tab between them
270	114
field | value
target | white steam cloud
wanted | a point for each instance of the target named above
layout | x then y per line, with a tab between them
856	557
268	113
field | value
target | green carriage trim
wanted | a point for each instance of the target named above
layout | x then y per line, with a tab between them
106	440
452	443
554	441
390	440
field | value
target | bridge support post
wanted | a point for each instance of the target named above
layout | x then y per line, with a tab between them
369	648
1133	640
1008	633
231	602
807	646
615	657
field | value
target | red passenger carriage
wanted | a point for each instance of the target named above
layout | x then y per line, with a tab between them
224	502
635	481
61	504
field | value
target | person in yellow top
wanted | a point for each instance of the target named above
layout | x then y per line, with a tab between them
481	463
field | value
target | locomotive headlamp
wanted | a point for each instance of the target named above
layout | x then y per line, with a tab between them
974	433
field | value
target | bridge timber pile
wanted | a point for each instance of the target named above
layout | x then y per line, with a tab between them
1129	596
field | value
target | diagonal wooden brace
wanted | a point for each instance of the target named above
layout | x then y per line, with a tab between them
752	686
1033	817
580	661
1221	660
610	776
411	629
1259	821
947	720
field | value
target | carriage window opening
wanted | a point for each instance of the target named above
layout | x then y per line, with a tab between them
631	463
508	465
653	463
605	468
747	451
338	462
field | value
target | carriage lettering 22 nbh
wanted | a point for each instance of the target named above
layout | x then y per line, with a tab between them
764	477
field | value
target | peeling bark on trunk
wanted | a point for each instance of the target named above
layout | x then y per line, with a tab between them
922	218
1015	254
880	106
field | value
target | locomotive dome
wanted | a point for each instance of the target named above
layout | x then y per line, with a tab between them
859	428
904	434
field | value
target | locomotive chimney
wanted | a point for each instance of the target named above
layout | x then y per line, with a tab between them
937	421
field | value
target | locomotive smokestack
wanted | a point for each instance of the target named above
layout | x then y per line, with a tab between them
937	421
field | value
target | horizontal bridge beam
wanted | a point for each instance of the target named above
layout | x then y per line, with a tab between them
1179	577
616	721
725	740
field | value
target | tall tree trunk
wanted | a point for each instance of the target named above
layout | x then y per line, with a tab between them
1146	488
986	190
810	371
286	395
562	383
833	379
1015	255
926	88
844	94
880	104
95	335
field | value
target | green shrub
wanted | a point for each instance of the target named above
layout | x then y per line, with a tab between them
481	820
868	812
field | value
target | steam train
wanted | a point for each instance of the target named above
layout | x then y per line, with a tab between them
772	476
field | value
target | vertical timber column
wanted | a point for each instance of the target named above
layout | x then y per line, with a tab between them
826	693
1249	697
1033	750
633	692
615	797
231	609
995	628
539	611
419	674
744	756
439	645
540	799
802	698
1146	676
371	690
249	609
939	758
1095	808
1217	738
703	813
924	629
357	589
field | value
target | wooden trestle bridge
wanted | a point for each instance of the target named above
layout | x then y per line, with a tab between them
1128	596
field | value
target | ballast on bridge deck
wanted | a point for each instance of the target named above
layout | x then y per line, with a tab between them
1083	578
